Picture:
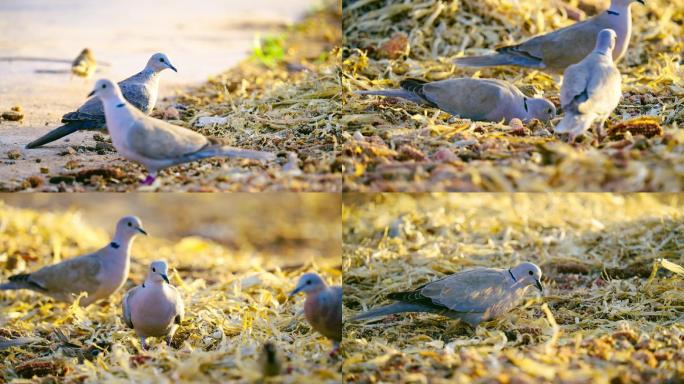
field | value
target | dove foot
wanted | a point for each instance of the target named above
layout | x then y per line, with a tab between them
149	180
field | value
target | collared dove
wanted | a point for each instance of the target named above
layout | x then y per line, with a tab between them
557	50
323	307
157	144
474	99
140	90
270	361
591	88
99	274
84	65
472	296
155	308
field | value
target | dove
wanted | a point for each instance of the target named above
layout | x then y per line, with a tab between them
270	361
155	143
99	274
472	296
591	89
84	65
475	99
323	307
557	50
140	90
155	308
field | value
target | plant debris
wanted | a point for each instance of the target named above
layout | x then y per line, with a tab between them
499	157
613	300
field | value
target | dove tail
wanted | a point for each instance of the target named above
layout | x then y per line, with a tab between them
401	93
391	309
574	123
499	59
21	281
55	134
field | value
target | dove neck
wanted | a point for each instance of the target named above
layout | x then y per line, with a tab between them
122	242
618	8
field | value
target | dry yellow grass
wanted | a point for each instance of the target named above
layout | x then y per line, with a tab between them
235	298
606	316
413	148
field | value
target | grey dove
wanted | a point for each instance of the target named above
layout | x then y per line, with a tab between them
472	296
155	308
591	89
84	65
99	274
140	90
323	307
557	50
157	144
475	99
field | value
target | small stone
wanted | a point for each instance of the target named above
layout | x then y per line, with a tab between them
13	154
44	170
72	164
210	120
171	113
68	151
12	116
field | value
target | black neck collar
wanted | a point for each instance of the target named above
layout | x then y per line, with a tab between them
525	104
612	13
120	105
512	277
114	245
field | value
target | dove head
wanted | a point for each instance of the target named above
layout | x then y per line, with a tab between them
106	90
540	108
158	272
605	42
159	62
128	227
308	283
625	3
527	274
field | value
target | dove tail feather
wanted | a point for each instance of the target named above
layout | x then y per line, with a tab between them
21	281
498	60
401	93
226	151
574	123
391	309
56	134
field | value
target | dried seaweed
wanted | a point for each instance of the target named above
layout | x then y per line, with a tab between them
600	318
471	156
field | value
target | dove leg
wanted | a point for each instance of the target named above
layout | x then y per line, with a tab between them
336	349
143	343
149	180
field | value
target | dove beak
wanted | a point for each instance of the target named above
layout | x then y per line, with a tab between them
539	285
91	93
142	231
173	68
166	278
295	291
642	2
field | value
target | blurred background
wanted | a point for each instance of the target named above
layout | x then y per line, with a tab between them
294	226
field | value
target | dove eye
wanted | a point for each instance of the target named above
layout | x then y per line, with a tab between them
129	224
531	273
154	270
162	60
104	86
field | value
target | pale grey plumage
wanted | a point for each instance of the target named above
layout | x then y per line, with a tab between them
557	50
157	144
140	90
99	274
472	296
155	308
591	89
476	99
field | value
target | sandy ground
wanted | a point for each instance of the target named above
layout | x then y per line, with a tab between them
200	41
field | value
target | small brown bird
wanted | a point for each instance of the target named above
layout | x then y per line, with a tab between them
84	65
269	360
